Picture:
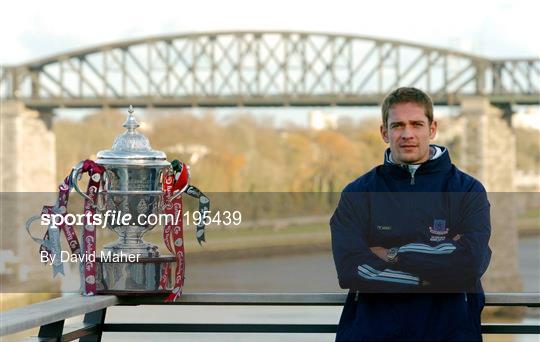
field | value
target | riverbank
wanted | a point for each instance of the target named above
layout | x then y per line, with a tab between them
228	244
266	241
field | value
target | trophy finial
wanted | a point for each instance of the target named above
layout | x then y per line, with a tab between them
131	123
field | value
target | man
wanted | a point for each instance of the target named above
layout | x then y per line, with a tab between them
410	237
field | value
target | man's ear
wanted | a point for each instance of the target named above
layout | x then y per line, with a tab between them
384	133
433	129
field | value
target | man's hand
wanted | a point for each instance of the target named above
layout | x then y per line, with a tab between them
381	252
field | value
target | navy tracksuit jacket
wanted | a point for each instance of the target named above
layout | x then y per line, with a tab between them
433	290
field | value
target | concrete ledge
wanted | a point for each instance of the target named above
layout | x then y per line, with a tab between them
303	299
50	311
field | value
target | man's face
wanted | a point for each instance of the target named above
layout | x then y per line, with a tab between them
408	132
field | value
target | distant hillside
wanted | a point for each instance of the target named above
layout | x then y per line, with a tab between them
249	154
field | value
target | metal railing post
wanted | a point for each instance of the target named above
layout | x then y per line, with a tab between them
98	319
52	330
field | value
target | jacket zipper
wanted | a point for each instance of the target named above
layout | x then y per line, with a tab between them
356	296
411	171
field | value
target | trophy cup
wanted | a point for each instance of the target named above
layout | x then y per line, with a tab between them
131	184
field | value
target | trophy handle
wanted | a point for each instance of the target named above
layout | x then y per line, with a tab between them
28	226
75	176
181	191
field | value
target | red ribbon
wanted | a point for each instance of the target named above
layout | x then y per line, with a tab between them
173	183
61	209
95	171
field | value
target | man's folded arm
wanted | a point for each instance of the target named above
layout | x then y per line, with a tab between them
454	264
357	267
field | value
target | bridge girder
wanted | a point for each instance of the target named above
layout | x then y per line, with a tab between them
263	69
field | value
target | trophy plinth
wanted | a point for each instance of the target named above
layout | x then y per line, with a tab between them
129	278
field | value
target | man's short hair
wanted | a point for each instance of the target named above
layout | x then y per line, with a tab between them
407	95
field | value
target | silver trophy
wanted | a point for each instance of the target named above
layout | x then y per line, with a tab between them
132	183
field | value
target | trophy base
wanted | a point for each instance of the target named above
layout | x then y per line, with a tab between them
139	277
143	249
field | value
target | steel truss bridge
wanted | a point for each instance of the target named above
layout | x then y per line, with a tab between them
263	69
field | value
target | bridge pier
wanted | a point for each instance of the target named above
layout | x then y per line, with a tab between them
28	180
28	158
488	153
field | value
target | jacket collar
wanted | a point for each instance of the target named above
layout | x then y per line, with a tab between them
439	161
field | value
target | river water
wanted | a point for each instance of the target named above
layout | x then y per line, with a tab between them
292	273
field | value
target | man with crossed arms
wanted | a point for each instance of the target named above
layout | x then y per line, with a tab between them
410	237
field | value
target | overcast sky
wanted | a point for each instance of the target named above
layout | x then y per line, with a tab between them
501	28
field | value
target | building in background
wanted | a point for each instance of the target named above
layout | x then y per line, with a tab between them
319	120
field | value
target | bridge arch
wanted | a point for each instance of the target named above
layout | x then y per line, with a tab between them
270	68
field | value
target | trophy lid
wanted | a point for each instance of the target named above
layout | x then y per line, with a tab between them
132	148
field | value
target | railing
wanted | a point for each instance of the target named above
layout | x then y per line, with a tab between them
50	315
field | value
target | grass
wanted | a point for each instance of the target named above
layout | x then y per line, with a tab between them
238	238
231	239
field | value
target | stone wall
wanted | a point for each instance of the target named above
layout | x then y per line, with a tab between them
488	151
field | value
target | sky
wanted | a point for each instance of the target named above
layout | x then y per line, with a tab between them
30	30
